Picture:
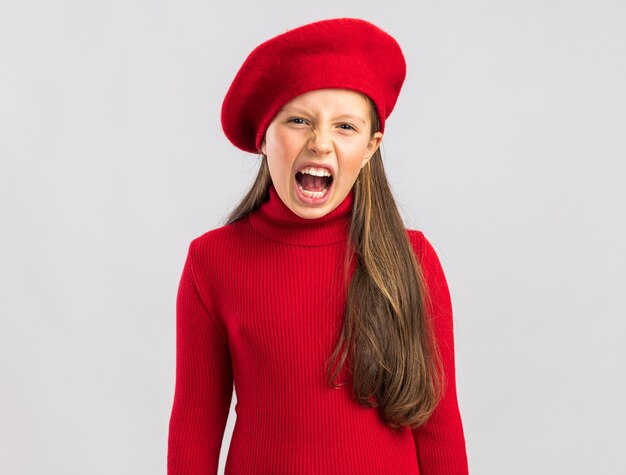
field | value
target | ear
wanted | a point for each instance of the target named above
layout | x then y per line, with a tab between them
263	147
372	146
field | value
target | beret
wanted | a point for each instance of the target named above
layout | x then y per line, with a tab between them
345	53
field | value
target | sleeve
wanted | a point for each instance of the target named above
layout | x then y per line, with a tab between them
440	442
204	382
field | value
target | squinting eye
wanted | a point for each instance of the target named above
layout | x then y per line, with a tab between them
346	126
296	120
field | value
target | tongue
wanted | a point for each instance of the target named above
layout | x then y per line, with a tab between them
312	182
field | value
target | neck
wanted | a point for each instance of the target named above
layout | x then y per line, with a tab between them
276	221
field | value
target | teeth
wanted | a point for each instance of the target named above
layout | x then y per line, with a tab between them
313	194
315	171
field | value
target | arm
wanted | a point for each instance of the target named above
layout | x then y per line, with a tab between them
204	382
440	442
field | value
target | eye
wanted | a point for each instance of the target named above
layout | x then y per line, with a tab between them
346	126
297	120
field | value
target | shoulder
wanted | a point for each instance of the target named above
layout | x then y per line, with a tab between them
437	291
219	239
415	237
427	257
421	245
214	249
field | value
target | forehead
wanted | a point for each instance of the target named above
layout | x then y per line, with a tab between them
333	100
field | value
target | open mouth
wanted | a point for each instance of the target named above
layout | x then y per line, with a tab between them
314	182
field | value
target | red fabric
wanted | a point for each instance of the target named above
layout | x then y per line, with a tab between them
260	305
338	53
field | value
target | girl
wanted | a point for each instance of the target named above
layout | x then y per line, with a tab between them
332	321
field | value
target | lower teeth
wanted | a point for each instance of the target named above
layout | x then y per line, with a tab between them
313	194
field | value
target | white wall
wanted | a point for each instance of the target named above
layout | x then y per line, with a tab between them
507	148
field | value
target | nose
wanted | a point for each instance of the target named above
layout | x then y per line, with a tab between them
320	142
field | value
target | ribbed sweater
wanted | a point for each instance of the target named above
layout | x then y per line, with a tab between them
259	309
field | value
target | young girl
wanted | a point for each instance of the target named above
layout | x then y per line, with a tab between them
332	321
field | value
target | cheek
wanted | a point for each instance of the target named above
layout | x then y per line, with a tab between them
280	156
351	156
349	171
281	142
353	146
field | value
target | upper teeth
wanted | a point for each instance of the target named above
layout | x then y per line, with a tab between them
315	171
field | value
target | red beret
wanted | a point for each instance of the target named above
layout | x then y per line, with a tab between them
344	53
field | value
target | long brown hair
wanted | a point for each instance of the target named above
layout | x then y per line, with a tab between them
387	336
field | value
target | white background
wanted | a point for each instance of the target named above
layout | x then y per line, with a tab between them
507	148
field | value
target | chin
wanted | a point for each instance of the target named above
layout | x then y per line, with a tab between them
307	212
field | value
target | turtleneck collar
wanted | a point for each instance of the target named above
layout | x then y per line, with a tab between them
276	221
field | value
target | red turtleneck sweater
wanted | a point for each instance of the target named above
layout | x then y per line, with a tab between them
260	306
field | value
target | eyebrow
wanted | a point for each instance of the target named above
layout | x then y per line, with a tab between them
297	110
352	117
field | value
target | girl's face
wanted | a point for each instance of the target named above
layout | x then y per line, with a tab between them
316	146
